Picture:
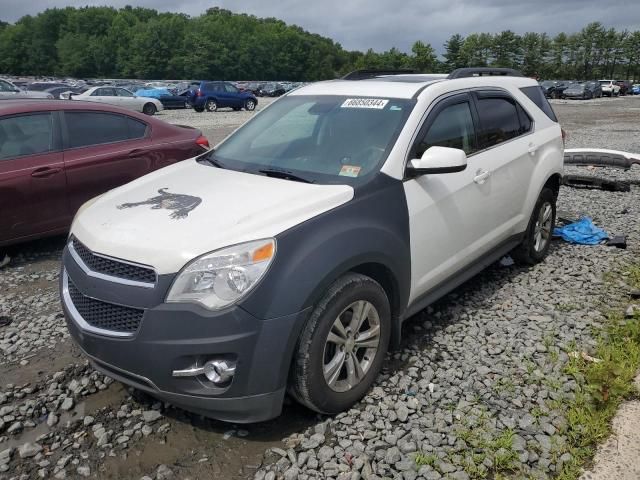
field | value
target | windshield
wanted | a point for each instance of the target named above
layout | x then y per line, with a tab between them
605	82
323	139
548	83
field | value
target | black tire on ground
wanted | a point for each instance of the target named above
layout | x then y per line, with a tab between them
530	251
307	383
211	105
250	105
199	109
149	109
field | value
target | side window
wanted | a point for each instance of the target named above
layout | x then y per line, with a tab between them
452	127
123	93
525	120
137	129
97	92
93	128
230	88
5	86
499	120
536	95
26	135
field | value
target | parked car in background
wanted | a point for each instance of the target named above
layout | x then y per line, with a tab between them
166	97
121	98
54	156
578	90
609	88
213	95
9	91
271	90
42	86
64	92
635	90
625	86
595	88
554	88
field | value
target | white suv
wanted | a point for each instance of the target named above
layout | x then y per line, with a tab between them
609	87
286	259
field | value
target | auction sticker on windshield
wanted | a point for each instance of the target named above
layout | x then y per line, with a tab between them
377	103
350	171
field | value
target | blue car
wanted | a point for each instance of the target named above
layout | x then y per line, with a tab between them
635	90
213	95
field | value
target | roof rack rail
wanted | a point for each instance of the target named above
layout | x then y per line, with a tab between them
483	71
373	73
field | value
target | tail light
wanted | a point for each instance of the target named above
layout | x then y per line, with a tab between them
199	93
203	142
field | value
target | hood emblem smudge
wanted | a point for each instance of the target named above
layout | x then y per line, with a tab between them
179	203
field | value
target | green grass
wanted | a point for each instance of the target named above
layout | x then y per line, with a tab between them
604	385
426	459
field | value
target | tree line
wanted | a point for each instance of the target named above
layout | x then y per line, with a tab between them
143	43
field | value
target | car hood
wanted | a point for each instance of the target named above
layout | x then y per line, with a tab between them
167	218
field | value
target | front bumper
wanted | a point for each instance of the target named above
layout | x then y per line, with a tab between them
178	336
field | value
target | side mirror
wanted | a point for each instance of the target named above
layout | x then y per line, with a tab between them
438	160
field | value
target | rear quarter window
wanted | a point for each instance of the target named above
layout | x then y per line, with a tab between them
536	95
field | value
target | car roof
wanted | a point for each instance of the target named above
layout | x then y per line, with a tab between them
407	85
26	105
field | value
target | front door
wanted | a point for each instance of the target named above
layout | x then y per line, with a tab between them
32	177
447	212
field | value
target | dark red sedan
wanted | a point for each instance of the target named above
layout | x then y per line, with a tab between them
56	154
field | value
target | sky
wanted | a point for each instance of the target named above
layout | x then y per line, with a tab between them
382	24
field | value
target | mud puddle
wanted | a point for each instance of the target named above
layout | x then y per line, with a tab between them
200	448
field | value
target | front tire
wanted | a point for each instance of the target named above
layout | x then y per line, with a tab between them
250	105
537	240
342	345
211	106
149	109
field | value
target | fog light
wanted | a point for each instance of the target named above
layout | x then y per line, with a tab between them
219	371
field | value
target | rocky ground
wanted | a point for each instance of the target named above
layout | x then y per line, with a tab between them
476	389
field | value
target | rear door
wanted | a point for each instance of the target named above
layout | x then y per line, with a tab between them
103	151
32	177
233	96
507	154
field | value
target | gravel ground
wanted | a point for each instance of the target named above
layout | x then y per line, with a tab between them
477	387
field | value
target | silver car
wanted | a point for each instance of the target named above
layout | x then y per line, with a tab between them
9	91
122	98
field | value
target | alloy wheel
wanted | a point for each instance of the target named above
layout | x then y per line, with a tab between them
542	232
351	346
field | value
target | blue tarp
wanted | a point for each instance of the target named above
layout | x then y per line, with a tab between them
583	232
152	92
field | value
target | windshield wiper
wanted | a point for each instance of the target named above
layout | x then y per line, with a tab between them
208	158
271	172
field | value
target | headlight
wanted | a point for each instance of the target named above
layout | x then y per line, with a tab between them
221	278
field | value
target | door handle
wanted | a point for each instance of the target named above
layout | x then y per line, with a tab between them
532	149
481	176
45	172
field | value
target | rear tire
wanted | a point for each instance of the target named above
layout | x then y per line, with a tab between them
250	105
338	358
211	106
537	240
149	109
199	109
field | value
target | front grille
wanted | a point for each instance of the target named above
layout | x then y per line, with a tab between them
103	315
111	267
